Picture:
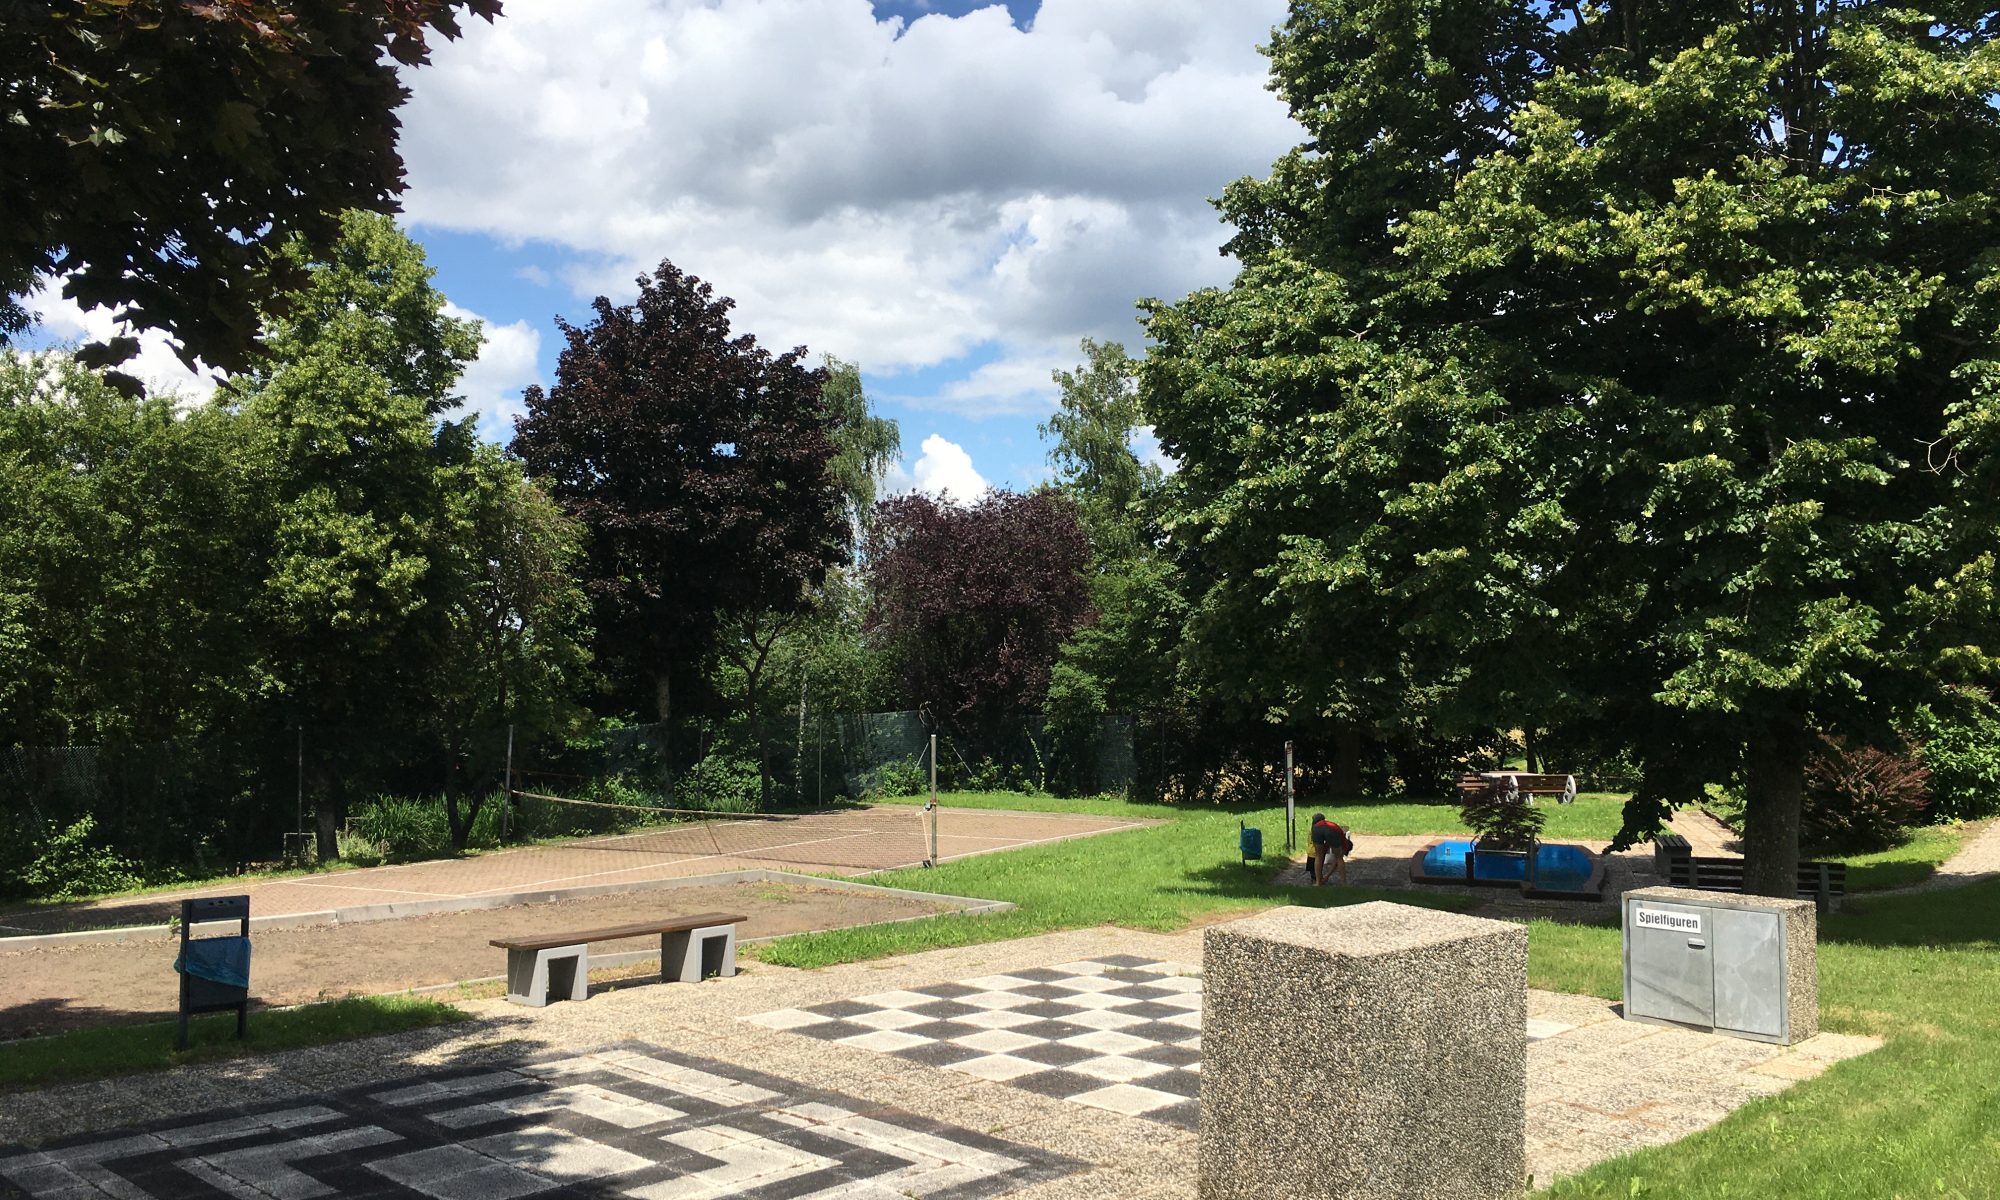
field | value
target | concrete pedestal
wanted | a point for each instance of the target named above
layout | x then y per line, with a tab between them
533	974
682	953
1374	1051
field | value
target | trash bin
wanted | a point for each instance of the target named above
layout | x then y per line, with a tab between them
1250	841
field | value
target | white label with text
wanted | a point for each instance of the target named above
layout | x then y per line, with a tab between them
1677	922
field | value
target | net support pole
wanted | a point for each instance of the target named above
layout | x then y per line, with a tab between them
507	792
931	812
1291	803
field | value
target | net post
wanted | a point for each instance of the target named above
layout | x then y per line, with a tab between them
1291	804
507	791
930	812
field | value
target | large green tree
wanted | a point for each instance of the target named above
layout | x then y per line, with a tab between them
356	469
160	153
1624	365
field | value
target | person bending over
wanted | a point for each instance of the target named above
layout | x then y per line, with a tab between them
1329	842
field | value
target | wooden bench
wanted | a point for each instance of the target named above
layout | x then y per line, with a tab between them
1668	849
1822	882
691	949
1563	787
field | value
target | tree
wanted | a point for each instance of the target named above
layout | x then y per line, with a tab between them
161	154
355	469
698	464
1093	455
975	601
864	444
513	657
1624	366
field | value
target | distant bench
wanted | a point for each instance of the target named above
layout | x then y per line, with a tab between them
1563	787
1822	882
691	949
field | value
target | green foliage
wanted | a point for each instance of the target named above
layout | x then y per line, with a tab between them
1860	799
721	782
1500	818
1092	452
410	828
1959	740
168	200
1578	375
903	777
70	865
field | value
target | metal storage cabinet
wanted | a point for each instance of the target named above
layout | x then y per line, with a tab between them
1716	961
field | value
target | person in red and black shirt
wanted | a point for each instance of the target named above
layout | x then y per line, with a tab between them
1329	841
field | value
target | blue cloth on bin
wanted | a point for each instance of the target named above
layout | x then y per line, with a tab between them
224	960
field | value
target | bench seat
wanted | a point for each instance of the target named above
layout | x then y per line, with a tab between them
688	945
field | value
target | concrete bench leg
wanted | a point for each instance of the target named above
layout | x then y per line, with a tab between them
682	954
531	972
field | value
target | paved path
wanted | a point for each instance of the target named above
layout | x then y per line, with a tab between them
667	1090
852	842
1977	860
1705	835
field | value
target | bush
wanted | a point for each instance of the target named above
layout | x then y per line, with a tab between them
68	866
1960	744
721	783
1502	819
403	827
902	777
1861	800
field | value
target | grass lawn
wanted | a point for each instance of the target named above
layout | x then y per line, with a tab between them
1914	860
1159	878
125	1049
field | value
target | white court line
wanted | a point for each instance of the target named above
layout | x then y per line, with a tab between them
355	887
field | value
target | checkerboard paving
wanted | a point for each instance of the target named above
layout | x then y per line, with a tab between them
1120	1032
623	1121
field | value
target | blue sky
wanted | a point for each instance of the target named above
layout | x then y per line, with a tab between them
950	194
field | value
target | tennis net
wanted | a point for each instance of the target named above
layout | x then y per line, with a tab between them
842	839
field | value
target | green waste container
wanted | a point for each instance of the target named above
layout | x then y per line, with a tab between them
1250	841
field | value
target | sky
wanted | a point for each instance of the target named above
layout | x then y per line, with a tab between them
950	195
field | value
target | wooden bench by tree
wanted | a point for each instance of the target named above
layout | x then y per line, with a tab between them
1822	882
691	949
1523	783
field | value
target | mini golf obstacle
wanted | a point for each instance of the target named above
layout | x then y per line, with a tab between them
1519	859
1544	871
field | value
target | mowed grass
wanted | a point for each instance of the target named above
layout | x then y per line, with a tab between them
1914	860
125	1049
1918	1118
1159	878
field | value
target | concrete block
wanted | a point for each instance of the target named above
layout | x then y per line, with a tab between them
1374	1051
682	953
532	974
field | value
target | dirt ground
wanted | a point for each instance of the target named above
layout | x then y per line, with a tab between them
52	990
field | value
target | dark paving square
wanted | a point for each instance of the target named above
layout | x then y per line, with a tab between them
1059	1083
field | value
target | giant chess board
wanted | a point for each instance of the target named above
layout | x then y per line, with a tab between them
1120	1032
629	1121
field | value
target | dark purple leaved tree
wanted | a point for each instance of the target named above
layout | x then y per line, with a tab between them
697	463
975	601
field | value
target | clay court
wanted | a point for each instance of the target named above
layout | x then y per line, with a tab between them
847	842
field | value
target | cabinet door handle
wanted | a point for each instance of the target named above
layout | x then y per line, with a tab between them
1697	944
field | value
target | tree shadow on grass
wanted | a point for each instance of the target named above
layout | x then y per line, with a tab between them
1954	919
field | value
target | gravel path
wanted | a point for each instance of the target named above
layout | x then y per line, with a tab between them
1977	860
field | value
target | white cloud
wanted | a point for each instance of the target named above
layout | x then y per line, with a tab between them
60	320
507	363
896	194
944	470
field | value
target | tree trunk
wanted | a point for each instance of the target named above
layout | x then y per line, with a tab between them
1347	761
1774	799
326	817
1533	752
